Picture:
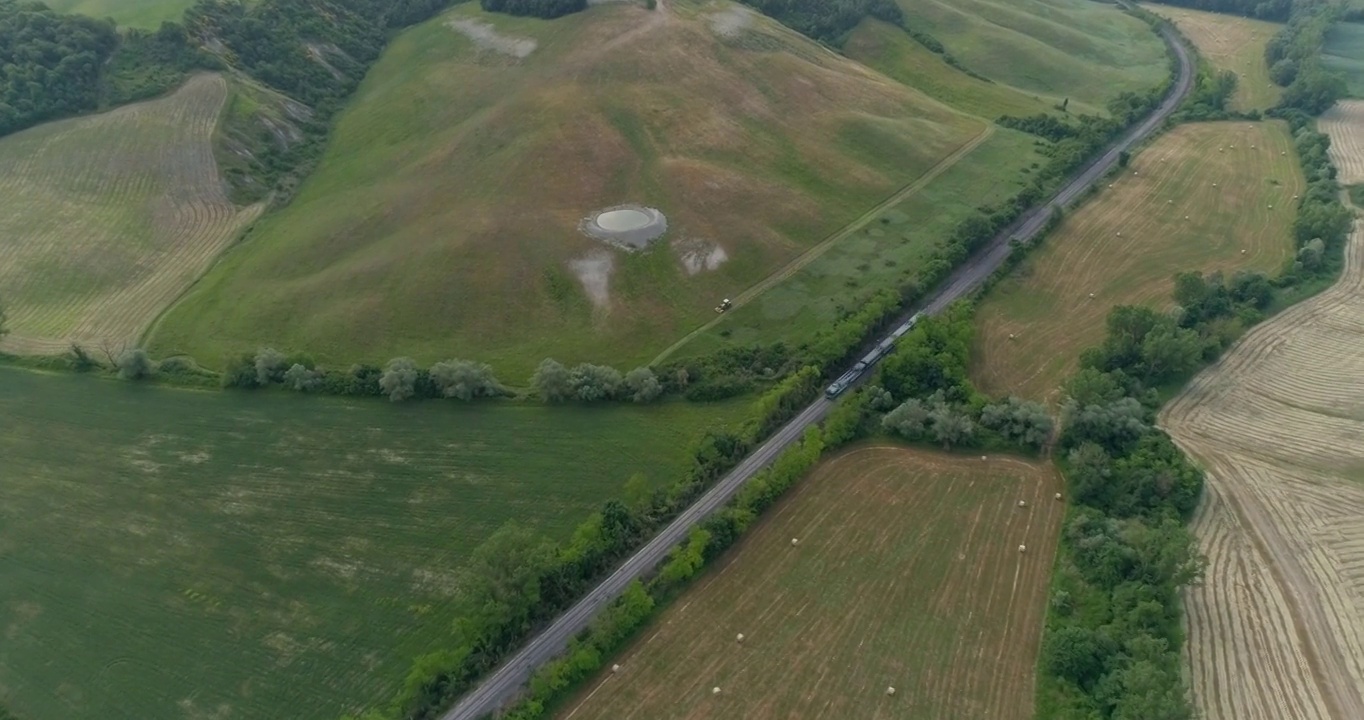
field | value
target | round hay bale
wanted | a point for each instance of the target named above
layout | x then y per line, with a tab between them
615	668
890	691
1058	496
715	690
1022	503
739	637
794	541
1022	548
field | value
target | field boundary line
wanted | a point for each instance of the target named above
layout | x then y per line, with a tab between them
814	253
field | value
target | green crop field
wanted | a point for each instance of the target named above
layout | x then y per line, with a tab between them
230	555
106	219
1083	50
1344	52
1207	196
907	575
885	253
889	50
1232	43
443	217
147	14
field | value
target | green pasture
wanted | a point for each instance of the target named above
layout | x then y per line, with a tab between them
238	556
890	50
147	14
1344	52
885	254
1080	49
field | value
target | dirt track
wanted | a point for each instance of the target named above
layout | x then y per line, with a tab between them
1277	628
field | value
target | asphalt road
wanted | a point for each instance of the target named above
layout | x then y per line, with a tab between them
507	680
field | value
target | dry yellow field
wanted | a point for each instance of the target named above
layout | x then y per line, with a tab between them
1229	42
106	219
1276	630
907	575
1234	182
1343	122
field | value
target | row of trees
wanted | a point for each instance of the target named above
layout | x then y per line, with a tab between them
1112	645
535	8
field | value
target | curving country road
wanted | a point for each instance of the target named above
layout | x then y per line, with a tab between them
506	681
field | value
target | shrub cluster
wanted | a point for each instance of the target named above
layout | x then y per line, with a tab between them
1294	58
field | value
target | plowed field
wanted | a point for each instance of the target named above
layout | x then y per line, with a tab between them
1208	196
104	220
1277	628
907	575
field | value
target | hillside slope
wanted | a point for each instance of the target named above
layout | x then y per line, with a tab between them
443	219
1083	50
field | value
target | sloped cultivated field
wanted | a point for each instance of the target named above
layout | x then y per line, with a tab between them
907	575
239	556
1125	246
104	220
1276	629
1230	43
444	217
1343	123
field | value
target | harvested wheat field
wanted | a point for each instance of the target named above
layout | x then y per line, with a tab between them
1206	196
1276	630
907	575
1233	43
1344	123
105	219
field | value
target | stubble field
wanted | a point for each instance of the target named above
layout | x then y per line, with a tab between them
1276	629
106	219
1229	42
1234	182
237	556
907	575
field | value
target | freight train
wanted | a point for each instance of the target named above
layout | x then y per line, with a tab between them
882	349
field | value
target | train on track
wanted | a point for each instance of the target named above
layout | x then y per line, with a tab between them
881	350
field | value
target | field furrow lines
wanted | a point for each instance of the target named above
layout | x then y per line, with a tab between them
1197	199
1277	627
108	218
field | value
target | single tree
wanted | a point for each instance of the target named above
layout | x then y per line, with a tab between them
399	380
270	366
299	378
551	381
134	364
642	385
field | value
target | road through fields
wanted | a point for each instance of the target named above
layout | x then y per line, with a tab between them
507	680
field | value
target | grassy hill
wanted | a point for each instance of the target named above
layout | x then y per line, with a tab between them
180	554
443	218
1080	49
147	14
106	219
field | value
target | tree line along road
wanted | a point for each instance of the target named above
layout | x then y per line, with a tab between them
507	680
